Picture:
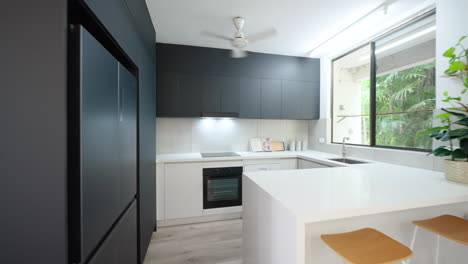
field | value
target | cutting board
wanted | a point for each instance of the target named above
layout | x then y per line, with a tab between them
278	145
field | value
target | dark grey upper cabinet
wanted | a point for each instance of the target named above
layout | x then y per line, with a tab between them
189	103
219	94
167	94
300	100
291	93
270	99
310	101
100	191
210	93
127	135
230	95
194	79
250	98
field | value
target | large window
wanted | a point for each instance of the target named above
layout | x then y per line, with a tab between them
384	92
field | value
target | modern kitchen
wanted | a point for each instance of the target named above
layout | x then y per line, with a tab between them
249	132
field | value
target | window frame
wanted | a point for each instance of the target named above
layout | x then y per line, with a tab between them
373	79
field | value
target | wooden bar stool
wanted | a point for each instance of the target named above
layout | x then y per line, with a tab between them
449	226
367	246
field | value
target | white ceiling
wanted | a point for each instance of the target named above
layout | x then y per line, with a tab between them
301	24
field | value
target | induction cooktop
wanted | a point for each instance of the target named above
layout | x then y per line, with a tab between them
219	154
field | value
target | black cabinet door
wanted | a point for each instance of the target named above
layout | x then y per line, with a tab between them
249	98
310	101
210	87
167	94
127	135
300	99
270	99
100	184
291	93
230	95
190	87
120	247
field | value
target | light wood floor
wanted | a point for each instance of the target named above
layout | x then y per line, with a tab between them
206	243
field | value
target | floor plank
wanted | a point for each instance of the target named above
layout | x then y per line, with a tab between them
205	243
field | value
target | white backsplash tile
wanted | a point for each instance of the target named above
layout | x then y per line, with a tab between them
174	134
183	135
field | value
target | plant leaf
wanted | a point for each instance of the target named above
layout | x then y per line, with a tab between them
457	133
446	93
459	154
444	115
449	53
450	72
462	38
463	122
442	135
457	66
441	152
431	130
464	145
454	113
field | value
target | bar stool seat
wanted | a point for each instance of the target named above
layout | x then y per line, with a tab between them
367	246
449	226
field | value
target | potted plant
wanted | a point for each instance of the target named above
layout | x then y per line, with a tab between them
454	128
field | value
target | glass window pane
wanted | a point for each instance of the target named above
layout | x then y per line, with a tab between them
405	85
351	94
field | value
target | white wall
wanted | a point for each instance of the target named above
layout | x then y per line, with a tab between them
187	135
451	25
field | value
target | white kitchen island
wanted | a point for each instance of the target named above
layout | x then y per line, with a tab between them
285	212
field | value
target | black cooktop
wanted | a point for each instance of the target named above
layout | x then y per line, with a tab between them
219	154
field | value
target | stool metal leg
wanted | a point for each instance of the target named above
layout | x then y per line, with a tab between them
437	250
413	240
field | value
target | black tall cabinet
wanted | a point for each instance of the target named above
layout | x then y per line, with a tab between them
77	158
103	191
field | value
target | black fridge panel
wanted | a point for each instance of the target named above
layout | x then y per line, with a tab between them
120	247
100	172
127	135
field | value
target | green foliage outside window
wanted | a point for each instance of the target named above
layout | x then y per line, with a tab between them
404	104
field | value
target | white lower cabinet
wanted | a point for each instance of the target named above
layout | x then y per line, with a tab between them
160	192
269	165
288	164
261	167
183	194
305	164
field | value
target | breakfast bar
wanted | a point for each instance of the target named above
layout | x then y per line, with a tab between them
285	212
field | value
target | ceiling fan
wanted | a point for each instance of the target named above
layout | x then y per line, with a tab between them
239	41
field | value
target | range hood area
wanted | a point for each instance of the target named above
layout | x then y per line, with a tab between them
219	115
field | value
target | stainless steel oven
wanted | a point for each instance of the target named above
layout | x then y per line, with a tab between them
222	187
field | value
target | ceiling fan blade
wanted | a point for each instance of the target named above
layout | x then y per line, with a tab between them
238	53
214	35
262	35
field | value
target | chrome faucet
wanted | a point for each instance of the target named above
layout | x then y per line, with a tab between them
343	148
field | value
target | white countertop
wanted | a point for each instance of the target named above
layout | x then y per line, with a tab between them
349	190
196	157
331	193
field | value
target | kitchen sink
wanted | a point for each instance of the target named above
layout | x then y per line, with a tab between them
348	161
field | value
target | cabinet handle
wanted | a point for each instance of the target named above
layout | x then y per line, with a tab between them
120	95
